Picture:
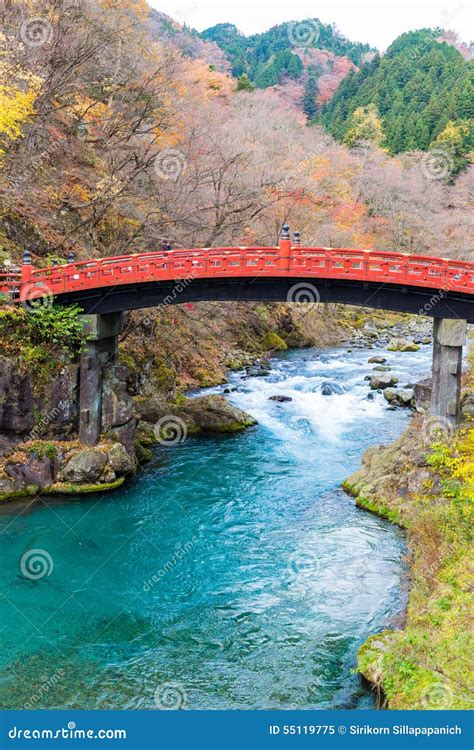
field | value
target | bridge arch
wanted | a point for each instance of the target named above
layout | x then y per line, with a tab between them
104	288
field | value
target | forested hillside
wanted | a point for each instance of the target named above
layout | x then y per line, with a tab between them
113	140
419	94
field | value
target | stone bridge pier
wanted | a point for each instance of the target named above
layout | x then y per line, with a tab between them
449	337
99	353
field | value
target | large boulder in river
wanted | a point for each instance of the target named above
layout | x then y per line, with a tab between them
330	389
403	345
382	380
376	361
215	414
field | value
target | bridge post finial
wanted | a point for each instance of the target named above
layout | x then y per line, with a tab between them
285	232
71	257
296	238
26	266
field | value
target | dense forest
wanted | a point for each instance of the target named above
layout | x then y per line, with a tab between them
420	91
266	57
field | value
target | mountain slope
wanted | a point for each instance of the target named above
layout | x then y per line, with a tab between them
418	87
266	57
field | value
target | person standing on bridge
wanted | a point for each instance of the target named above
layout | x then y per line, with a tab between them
166	247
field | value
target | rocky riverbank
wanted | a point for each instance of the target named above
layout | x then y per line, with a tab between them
161	355
425	483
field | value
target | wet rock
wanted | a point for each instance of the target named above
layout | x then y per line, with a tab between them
280	399
119	460
8	489
422	394
151	409
85	466
402	397
382	380
377	360
145	433
371	396
258	371
331	389
382	368
215	414
37	471
403	345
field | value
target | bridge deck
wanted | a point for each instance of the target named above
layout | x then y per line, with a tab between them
286	261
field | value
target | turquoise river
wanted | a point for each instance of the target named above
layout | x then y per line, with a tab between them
232	572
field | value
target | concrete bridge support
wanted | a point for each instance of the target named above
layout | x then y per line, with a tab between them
100	351
448	340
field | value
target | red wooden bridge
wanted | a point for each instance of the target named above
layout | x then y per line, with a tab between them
433	286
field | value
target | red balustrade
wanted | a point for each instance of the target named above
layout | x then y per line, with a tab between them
223	262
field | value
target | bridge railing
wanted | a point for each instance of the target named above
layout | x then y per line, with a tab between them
312	262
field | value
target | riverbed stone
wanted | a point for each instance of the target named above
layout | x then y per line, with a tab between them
85	466
403	345
383	380
215	414
280	399
377	360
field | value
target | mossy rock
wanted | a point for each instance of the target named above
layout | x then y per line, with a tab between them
273	342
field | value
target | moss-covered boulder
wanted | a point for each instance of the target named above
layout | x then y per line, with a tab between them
403	345
85	466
